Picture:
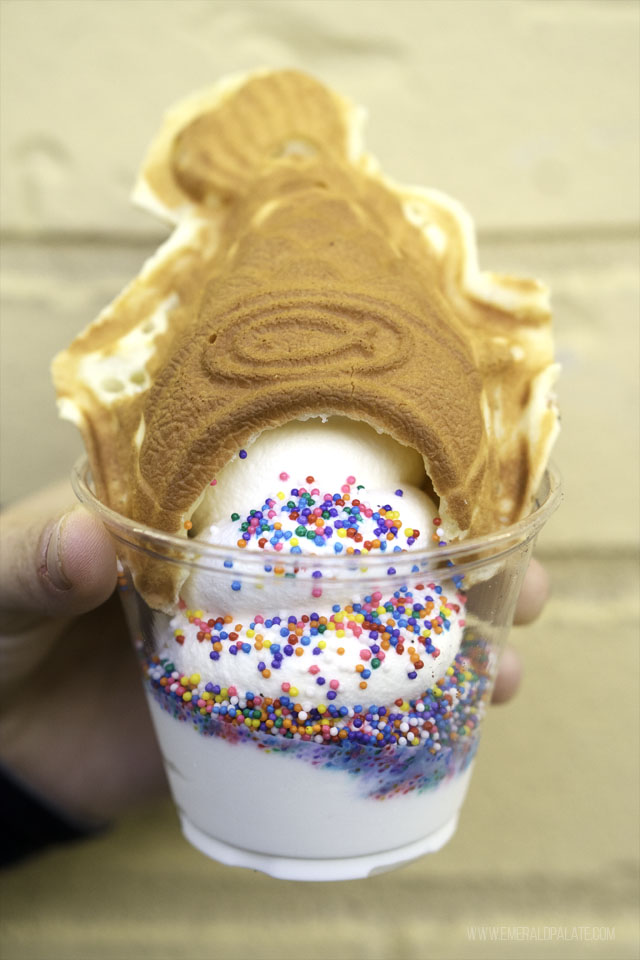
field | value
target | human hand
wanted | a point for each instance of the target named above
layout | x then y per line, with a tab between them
74	724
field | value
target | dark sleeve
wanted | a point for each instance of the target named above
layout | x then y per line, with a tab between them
28	824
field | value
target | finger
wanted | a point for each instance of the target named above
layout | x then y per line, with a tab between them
54	561
534	593
509	676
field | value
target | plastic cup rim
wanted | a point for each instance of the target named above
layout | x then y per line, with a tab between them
135	533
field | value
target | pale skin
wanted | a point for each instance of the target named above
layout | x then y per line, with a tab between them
73	721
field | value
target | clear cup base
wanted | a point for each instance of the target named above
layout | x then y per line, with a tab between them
317	870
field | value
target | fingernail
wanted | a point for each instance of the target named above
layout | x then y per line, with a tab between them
55	567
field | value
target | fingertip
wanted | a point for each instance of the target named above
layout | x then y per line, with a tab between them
534	594
86	560
508	678
56	560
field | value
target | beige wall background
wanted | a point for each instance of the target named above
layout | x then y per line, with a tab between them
527	111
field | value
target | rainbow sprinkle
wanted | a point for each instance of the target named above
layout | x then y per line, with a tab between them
306	518
375	743
436	719
406	624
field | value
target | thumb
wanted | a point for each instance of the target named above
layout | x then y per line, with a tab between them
53	562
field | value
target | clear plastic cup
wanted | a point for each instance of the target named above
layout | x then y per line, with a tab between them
281	781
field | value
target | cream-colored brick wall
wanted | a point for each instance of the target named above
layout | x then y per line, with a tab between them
521	108
528	111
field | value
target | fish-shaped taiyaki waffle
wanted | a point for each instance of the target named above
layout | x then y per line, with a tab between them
301	282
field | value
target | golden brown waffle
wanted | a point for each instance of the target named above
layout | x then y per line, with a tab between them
301	282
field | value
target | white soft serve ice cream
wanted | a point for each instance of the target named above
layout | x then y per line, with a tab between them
318	490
